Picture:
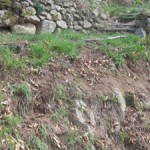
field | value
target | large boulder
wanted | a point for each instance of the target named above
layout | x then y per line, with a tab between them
24	28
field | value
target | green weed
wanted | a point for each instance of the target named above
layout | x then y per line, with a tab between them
130	47
22	90
9	61
127	12
73	139
44	133
8	124
59	115
37	144
24	94
123	136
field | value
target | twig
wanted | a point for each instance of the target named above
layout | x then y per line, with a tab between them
109	38
15	43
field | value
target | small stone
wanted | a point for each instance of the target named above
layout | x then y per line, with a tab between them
47	26
87	24
77	27
32	19
29	11
140	32
62	24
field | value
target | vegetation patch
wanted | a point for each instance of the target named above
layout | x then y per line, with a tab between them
130	48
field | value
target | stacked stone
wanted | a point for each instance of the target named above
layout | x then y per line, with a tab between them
47	16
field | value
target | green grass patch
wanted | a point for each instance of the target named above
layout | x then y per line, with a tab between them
8	124
37	144
44	47
130	47
124	11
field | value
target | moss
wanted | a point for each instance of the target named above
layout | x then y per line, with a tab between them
9	18
6	3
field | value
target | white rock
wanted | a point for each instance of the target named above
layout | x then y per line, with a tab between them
87	24
24	28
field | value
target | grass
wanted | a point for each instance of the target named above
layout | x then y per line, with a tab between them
59	115
22	90
8	124
124	11
37	144
130	47
73	139
24	94
44	47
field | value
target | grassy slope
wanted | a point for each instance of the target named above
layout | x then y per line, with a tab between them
39	52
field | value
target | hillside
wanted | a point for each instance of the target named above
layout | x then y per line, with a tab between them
74	91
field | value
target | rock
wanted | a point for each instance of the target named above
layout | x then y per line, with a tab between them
122	102
41	17
47	26
140	32
87	24
7	18
69	19
148	20
49	17
104	15
32	19
25	4
24	28
62	24
95	12
29	11
55	15
77	27
68	4
148	28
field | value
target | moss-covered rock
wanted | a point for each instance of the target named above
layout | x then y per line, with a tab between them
7	18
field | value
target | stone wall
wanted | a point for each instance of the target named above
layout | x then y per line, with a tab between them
47	16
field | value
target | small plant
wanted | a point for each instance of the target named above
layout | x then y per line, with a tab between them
130	47
22	90
39	8
123	136
39	55
102	99
44	133
8	124
59	115
37	144
60	93
114	100
9	61
24	93
73	139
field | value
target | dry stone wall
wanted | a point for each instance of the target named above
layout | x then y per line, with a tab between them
47	16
